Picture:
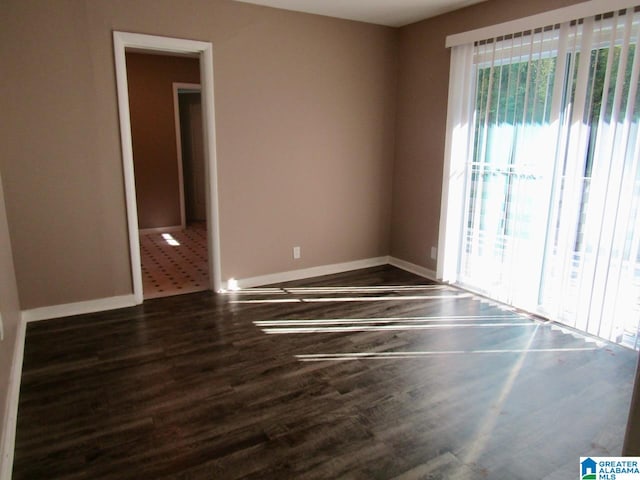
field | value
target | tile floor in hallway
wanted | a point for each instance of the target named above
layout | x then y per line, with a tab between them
174	262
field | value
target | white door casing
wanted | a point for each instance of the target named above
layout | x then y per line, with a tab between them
157	44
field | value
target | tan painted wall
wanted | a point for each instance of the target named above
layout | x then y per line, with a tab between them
423	84
10	309
155	159
304	111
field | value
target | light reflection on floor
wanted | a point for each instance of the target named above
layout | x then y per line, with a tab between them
353	299
518	337
505	317
334	357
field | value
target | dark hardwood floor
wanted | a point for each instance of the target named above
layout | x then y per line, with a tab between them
387	377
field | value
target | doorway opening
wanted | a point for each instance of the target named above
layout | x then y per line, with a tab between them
209	235
176	262
166	128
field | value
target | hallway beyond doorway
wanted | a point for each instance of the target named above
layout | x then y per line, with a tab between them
174	262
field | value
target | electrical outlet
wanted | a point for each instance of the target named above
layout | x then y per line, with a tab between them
434	253
296	253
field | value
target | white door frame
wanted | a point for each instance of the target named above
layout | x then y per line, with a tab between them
204	50
177	87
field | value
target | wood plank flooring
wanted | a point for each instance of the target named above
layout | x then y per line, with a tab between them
385	377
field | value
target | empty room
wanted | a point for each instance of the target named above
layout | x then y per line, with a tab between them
276	239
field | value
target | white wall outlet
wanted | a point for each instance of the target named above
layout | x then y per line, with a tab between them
434	253
296	253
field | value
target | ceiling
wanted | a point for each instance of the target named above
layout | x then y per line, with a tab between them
393	13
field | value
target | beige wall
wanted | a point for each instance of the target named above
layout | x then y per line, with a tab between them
317	120
304	113
155	159
10	310
423	84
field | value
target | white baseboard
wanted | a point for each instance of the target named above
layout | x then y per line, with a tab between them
311	272
78	308
413	268
173	228
8	440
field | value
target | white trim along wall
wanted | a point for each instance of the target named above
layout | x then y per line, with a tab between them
78	308
305	273
173	228
311	272
8	440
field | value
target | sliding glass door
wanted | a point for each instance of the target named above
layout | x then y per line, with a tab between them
509	171
550	216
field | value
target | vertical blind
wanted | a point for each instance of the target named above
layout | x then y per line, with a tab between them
544	152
